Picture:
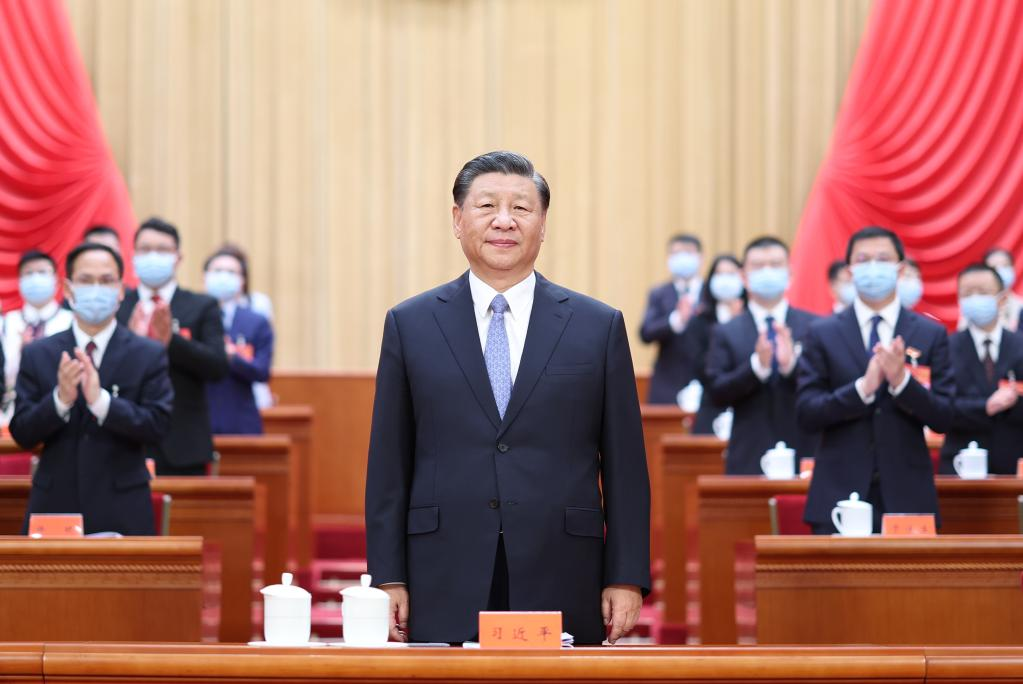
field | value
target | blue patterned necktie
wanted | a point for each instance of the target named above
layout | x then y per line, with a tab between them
772	337
497	355
875	337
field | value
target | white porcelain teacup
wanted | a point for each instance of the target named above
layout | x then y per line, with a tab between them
971	463
852	517
779	463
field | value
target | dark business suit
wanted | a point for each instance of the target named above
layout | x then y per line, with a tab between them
886	437
96	470
763	411
446	474
677	354
196	354
703	325
1001	434
233	408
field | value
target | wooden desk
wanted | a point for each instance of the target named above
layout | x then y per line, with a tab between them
686	457
135	588
659	420
267	458
951	589
218	509
734	509
297	423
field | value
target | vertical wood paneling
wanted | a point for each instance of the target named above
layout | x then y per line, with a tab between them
323	135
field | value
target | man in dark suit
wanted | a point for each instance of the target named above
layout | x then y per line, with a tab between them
870	379
506	463
669	311
752	360
188	324
93	396
987	360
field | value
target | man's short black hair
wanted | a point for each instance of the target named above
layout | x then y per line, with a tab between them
686	239
764	241
69	263
501	161
99	230
160	226
834	268
874	232
999	250
982	268
35	255
911	263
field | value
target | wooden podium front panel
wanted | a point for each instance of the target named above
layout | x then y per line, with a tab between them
659	420
134	588
953	589
21	663
267	458
297	423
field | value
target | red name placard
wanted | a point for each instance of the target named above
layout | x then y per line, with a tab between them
908	525
55	525
520	630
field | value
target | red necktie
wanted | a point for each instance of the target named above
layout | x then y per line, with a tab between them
156	302
989	363
37	330
90	348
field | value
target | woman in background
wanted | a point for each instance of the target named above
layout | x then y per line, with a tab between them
249	342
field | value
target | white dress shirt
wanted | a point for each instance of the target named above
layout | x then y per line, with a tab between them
166	293
760	314
516	318
58	319
979	336
101	406
885	333
685	288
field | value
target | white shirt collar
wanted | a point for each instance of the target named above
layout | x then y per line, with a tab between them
166	291
690	287
865	315
779	312
227	311
32	315
979	336
102	339
518	296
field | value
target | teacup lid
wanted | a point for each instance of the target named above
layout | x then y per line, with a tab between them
973	448
285	589
365	591
781	448
854	502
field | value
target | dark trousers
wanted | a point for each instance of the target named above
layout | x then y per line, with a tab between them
499	584
873	497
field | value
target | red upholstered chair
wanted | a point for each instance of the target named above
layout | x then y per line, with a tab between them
161	513
18	464
787	514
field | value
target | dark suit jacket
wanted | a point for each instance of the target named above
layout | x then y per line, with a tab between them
703	325
96	470
763	411
678	353
1001	434
886	436
233	408
196	354
446	474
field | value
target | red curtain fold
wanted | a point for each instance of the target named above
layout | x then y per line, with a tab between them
57	175
928	142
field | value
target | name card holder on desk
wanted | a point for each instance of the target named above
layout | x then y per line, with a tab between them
908	525
55	526
531	630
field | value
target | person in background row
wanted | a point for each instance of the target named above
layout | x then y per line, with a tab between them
261	304
843	292
670	308
103	235
752	361
721	300
40	314
1009	314
870	379
249	344
910	286
93	396
189	325
987	361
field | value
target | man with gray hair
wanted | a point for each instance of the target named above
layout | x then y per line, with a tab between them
506	463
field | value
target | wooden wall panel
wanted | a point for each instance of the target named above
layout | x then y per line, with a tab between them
323	135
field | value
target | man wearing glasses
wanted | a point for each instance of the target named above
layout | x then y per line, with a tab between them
93	396
870	379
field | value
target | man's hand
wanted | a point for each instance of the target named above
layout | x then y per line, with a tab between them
1003	399
399	610
893	360
69	374
26	335
160	323
764	350
786	351
684	308
229	346
874	376
620	604
90	377
139	321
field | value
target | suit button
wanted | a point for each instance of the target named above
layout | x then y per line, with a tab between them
494	503
502	447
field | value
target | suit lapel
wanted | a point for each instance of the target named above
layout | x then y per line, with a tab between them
113	355
852	336
1005	357
749	331
547	322
906	326
457	321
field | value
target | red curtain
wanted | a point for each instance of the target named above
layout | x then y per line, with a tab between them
57	175
928	142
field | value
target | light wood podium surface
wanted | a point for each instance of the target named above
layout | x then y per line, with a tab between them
133	588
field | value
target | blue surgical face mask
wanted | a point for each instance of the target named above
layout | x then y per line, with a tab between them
910	291
223	285
155	269
37	288
1008	276
95	304
846	293
769	282
875	280
683	264
726	286
980	309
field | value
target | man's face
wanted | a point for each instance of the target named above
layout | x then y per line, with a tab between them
108	240
979	282
501	224
874	249
998	260
843	278
155	241
227	264
95	267
36	266
772	256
